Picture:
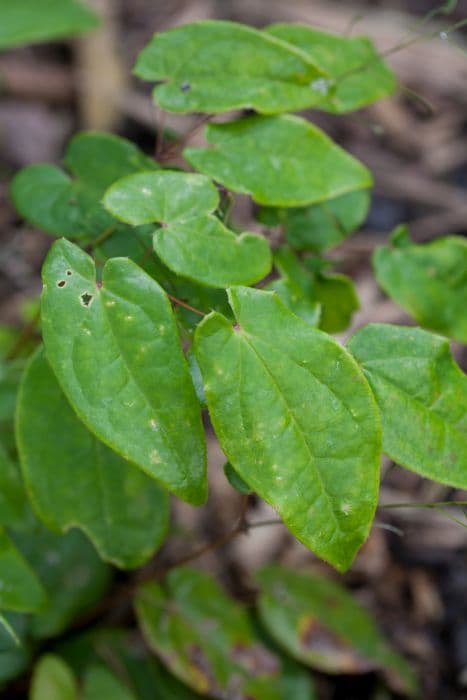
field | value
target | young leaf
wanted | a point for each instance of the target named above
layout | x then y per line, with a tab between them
30	21
205	638
321	226
428	280
53	679
218	66
319	623
280	161
122	510
193	243
296	418
116	353
63	206
101	684
20	590
422	397
359	75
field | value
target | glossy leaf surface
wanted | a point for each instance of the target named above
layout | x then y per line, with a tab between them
422	397
264	381
116	353
206	639
359	76
30	21
279	161
192	242
319	623
218	66
20	590
428	280
321	226
119	507
70	206
53	680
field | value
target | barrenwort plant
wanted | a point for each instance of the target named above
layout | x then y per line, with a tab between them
155	309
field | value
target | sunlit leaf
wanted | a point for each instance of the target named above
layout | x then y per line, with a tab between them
294	162
422	396
116	353
295	417
52	679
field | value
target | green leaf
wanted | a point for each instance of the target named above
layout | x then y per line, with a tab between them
205	638
15	652
338	298
429	280
321	226
19	588
235	480
280	161
296	287
359	75
71	572
53	680
30	21
318	622
122	510
218	66
14	508
116	353
101	684
193	243
264	379
70	206
422	396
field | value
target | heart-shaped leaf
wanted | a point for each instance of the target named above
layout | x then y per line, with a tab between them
422	397
428	280
116	353
123	511
192	242
218	66
319	623
296	418
280	161
359	75
63	206
30	21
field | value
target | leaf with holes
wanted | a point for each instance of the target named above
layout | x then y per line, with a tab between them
31	21
358	73
206	639
296	418
318	622
20	590
70	206
428	280
294	162
422	397
218	66
53	679
192	241
123	511
321	226
116	353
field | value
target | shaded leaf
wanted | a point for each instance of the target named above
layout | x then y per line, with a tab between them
121	509
14	509
294	162
70	206
52	679
14	655
235	480
429	280
206	639
31	21
422	397
116	353
218	66
264	379
71	572
321	226
359	75
192	242
100	684
20	589
320	624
